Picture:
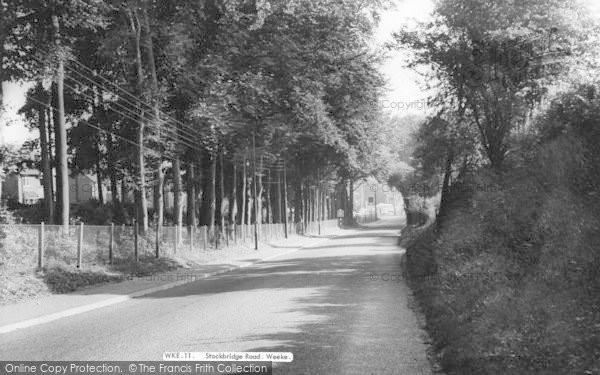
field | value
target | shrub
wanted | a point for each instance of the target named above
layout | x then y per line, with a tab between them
515	288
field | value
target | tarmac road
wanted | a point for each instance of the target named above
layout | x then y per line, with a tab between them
340	307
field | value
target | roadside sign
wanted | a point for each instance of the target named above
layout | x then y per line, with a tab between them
340	213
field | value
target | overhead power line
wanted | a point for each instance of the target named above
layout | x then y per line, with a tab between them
84	122
186	131
135	98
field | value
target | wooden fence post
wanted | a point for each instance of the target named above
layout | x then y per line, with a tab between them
41	246
79	245
111	236
205	237
191	238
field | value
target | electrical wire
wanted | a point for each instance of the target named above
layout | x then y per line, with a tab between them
84	122
128	109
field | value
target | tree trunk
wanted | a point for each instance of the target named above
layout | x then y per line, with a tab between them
98	143
298	202
318	202
322	204
315	205
99	178
177	209
234	202
142	204
110	157
51	138
57	152
268	212
191	196
46	168
112	170
259	206
61	135
49	128
279	194
212	196
250	208
159	204
350	213
222	193
124	189
305	211
244	193
445	187
333	204
142	200
344	200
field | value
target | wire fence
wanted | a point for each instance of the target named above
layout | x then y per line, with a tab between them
86	245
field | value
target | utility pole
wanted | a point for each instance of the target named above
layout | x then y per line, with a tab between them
255	205
285	205
318	202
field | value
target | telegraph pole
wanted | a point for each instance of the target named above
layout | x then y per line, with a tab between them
255	205
285	222
318	202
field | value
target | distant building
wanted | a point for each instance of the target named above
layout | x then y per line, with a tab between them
25	186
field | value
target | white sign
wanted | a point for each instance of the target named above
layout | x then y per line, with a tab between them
340	213
229	356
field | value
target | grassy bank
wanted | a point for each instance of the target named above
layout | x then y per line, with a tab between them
19	283
509	280
20	279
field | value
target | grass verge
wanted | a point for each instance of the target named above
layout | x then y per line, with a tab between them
508	284
60	278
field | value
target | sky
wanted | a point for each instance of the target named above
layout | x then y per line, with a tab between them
12	130
404	85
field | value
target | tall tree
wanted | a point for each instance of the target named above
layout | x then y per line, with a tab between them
159	201
492	61
25	40
136	30
36	110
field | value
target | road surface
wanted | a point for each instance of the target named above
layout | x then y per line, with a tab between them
340	307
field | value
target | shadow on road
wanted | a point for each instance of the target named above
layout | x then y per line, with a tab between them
328	292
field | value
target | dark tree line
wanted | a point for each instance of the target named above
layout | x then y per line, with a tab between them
187	96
